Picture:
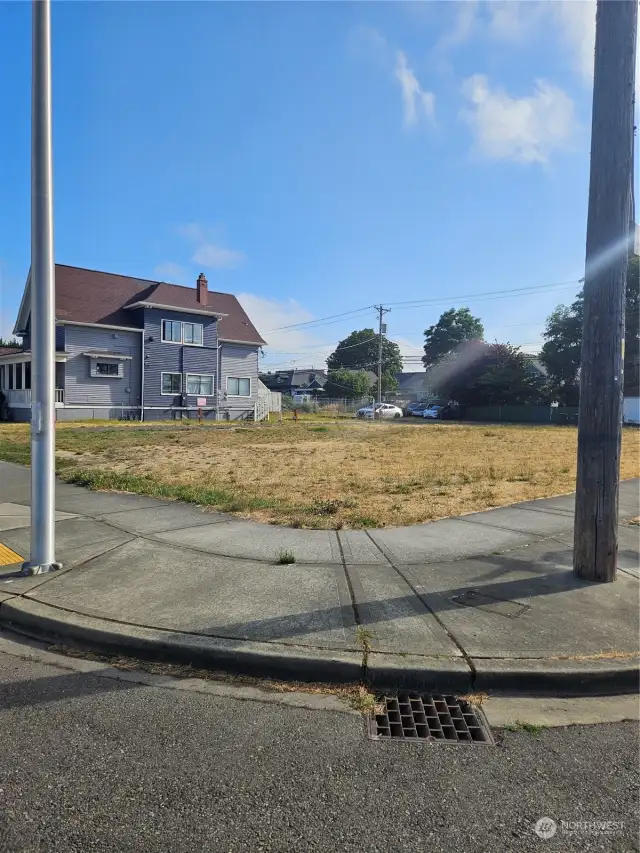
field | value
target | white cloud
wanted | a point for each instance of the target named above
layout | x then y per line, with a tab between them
577	21
210	255
285	346
513	21
170	272
464	25
526	129
207	249
417	102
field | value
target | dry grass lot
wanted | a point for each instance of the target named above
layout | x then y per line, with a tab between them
328	475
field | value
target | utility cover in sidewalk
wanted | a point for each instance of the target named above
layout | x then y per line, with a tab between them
436	719
9	557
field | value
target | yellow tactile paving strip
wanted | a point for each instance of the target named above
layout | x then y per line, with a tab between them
9	557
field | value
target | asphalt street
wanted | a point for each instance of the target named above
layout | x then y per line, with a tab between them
92	764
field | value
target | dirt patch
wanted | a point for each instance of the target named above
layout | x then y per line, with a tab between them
352	475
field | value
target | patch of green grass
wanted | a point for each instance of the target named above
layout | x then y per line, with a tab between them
121	481
364	521
520	726
319	429
13	451
325	507
285	557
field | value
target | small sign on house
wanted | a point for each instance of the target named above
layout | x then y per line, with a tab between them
202	401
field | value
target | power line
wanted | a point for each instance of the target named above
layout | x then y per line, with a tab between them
416	303
316	346
309	323
401	306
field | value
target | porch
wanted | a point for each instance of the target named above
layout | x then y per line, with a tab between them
19	398
15	379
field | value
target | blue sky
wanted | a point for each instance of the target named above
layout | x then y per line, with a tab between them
313	158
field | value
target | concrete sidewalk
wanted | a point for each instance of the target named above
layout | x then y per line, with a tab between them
482	602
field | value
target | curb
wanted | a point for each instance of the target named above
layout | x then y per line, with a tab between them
526	677
558	676
44	622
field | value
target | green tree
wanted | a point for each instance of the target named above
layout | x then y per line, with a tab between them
492	374
351	384
359	351
454	327
13	342
560	352
563	339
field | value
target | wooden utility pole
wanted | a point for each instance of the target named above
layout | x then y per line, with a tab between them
381	312
595	549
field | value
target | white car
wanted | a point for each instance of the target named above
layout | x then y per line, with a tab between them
381	410
433	412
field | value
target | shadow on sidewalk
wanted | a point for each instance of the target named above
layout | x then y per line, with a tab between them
520	590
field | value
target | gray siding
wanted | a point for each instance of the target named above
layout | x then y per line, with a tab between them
161	357
83	389
238	361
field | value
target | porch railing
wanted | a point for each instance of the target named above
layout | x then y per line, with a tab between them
21	397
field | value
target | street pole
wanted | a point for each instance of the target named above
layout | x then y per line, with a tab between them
42	550
595	549
381	312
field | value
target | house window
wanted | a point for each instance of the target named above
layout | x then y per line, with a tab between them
2	379
200	384
171	383
18	370
98	369
177	332
104	368
172	331
238	387
10	370
192	333
27	375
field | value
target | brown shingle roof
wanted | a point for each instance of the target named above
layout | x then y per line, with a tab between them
90	296
9	350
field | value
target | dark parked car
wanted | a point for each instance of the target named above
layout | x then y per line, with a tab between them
452	411
416	409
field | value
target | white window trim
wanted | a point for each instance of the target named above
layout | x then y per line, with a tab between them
164	373
181	342
166	340
192	343
209	376
240	396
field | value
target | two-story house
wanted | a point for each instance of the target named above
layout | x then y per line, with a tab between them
129	347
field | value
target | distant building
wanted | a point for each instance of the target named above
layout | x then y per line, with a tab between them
291	382
413	386
536	367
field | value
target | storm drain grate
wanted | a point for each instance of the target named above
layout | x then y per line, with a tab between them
437	719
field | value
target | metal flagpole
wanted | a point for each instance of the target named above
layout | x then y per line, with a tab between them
42	551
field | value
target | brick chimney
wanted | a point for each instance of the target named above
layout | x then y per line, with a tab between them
201	286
